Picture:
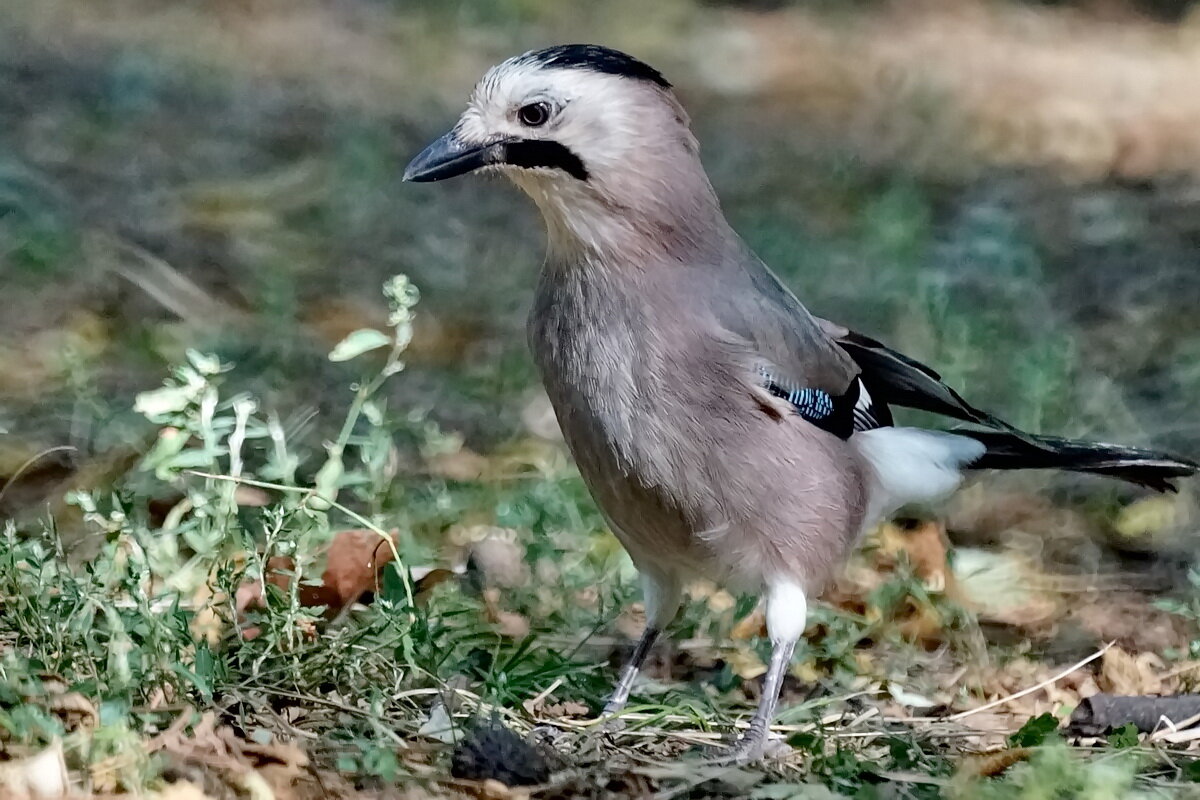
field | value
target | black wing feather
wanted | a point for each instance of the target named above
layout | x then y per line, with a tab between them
895	378
899	380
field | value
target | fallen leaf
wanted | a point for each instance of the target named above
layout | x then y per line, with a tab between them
1123	673
354	561
38	777
567	708
498	560
462	465
746	664
438	724
909	698
1004	587
721	601
427	580
630	622
993	764
750	626
923	544
508	623
493	789
250	496
1130	619
1148	524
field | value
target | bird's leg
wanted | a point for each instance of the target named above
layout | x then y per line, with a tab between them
787	613
662	597
620	695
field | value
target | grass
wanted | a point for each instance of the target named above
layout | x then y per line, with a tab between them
150	635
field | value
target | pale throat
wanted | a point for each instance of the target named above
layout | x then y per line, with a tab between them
582	221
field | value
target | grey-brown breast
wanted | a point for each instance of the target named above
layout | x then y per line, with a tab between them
659	401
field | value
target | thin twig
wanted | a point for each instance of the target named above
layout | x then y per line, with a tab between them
29	462
546	692
1048	682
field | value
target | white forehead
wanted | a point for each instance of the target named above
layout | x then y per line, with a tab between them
517	81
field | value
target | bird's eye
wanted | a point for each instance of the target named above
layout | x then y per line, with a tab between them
534	115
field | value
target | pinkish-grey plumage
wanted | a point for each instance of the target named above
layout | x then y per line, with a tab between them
721	428
698	469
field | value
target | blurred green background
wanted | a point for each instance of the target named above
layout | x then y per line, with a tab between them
1008	191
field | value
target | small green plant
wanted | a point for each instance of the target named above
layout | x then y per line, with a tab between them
1035	731
154	619
186	610
1056	772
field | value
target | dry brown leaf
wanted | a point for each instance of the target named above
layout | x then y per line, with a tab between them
745	663
492	789
463	465
752	625
721	601
1021	673
424	586
278	765
1124	673
1028	525
511	624
500	559
38	777
1129	619
921	623
993	764
257	770
632	621
567	708
1150	524
75	709
1005	587
925	547
354	560
508	623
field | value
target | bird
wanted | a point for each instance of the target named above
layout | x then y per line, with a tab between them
722	429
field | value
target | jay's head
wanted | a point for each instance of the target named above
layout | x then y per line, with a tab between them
591	134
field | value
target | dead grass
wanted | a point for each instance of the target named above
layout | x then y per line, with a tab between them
939	83
354	55
980	82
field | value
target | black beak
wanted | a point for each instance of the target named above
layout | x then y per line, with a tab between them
449	157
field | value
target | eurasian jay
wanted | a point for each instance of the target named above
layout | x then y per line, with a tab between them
723	430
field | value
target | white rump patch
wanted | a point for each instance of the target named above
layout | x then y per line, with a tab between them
912	465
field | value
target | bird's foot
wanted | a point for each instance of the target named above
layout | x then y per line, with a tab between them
736	755
611	722
752	748
601	737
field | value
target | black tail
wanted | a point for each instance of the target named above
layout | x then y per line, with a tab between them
1143	467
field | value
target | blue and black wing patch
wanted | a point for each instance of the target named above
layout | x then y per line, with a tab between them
840	415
